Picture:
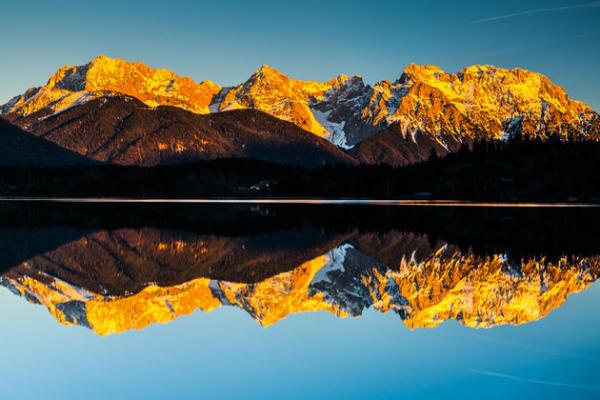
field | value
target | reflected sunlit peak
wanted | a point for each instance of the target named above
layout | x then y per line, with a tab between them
425	287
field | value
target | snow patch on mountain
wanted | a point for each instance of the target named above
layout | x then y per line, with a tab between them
10	104
413	135
214	108
336	258
337	135
78	99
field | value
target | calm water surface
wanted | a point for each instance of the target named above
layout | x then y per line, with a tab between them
289	301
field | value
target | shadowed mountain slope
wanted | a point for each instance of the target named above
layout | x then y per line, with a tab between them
18	147
125	131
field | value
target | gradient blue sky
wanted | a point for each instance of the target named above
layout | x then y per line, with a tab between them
225	354
226	41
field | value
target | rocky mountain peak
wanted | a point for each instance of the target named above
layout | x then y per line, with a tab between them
266	70
477	102
73	85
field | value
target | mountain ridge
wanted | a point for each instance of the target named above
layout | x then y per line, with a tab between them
477	102
125	131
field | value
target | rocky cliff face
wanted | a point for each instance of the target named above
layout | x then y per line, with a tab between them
478	102
74	85
271	91
424	283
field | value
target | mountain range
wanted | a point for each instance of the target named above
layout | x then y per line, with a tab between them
127	113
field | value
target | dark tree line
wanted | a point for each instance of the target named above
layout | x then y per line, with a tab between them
517	170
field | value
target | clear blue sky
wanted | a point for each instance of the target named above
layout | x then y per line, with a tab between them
226	41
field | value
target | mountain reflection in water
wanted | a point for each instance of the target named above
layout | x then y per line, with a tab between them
275	262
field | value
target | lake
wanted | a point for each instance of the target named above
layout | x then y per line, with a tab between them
347	299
